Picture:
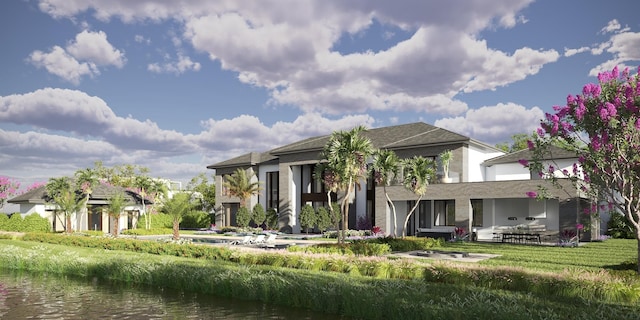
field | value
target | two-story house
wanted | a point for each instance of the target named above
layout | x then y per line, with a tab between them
489	189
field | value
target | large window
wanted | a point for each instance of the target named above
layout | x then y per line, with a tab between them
424	214
476	207
272	190
444	212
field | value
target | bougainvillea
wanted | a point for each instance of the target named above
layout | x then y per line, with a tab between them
8	187
602	126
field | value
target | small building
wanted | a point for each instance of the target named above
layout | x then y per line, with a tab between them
96	218
488	189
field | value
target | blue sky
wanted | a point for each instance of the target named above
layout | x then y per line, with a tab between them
177	85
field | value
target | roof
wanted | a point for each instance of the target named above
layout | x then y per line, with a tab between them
248	159
403	136
101	193
555	153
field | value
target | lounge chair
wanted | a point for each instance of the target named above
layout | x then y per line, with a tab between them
270	241
259	239
245	240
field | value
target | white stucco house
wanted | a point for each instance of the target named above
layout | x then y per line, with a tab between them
489	190
36	201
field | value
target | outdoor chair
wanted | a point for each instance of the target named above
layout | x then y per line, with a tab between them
244	240
259	239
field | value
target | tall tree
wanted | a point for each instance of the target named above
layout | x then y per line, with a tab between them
331	183
602	126
346	155
417	173
86	180
8	187
206	191
518	142
117	203
239	185
55	187
177	207
385	168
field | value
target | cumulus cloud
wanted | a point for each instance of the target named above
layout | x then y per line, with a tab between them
570	52
80	57
288	48
493	123
182	65
76	112
623	45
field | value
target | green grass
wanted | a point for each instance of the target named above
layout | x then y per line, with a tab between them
613	254
329	292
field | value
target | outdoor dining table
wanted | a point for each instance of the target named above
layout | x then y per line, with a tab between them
520	237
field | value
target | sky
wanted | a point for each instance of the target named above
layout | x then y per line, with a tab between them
175	86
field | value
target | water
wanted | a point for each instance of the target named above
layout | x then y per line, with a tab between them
25	296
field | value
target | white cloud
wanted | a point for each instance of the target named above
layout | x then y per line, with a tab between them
94	47
80	58
494	124
141	39
288	48
570	52
63	65
623	46
612	26
76	112
182	65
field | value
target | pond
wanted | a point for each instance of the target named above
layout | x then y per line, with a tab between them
28	296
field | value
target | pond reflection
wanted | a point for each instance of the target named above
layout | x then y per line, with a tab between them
26	296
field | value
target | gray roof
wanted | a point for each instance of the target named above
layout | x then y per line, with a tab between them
555	153
101	194
248	159
403	136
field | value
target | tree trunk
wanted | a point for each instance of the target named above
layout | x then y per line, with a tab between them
176	230
638	237
406	220
115	225
68	226
393	211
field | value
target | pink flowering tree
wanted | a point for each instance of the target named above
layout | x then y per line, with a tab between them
8	187
602	125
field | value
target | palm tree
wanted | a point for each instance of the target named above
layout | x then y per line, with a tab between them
239	184
86	179
177	207
69	202
417	173
55	188
143	183
331	183
385	169
346	154
117	202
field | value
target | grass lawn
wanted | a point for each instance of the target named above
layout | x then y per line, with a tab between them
612	254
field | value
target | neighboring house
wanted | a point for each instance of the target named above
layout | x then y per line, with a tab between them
488	188
35	201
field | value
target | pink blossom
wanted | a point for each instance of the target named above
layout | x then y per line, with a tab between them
579	226
532	194
530	145
524	162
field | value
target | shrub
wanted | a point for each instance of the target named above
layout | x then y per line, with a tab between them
36	223
619	227
195	220
145	232
243	217
4	219
15	223
324	220
258	215
272	219
158	221
359	248
408	243
307	217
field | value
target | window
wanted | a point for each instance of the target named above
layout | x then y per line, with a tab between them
476	207
424	214
272	190
445	212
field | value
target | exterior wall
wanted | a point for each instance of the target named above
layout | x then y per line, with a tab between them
477	172
507	171
30	208
262	176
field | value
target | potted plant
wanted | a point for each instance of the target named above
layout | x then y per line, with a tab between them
445	159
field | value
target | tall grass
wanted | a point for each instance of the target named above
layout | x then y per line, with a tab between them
355	296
